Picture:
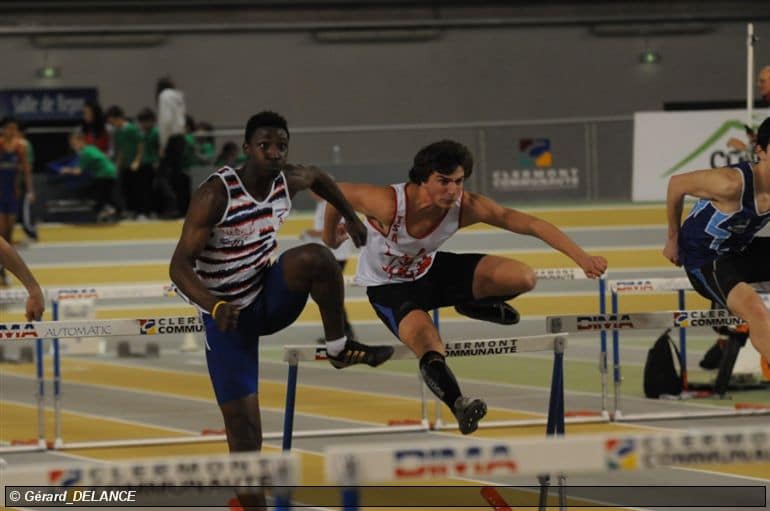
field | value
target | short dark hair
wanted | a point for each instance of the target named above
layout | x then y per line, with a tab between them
114	111
264	119
163	84
763	134
9	119
145	114
443	157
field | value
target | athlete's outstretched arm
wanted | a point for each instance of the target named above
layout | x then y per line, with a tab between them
11	259
719	185
375	202
207	206
302	177
478	208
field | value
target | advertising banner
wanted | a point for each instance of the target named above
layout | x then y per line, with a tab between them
528	164
41	105
667	143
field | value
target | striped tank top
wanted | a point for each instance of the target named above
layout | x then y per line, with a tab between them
235	257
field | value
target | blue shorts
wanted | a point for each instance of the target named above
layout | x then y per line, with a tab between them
233	357
9	199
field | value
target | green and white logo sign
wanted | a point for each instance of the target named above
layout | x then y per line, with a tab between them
666	143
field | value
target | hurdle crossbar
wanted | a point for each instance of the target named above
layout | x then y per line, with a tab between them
440	459
149	290
99	328
466	348
586	323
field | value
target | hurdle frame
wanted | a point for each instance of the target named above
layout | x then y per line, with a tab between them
294	354
603	415
680	286
650	321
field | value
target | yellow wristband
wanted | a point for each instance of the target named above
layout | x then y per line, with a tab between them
216	305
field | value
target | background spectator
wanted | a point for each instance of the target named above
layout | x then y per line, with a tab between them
763	87
13	163
94	128
205	148
230	155
102	173
26	218
171	130
147	201
127	142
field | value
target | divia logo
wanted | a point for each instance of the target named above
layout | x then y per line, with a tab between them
719	158
18	331
535	152
621	454
147	327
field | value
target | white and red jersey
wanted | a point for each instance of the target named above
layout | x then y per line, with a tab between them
397	256
232	263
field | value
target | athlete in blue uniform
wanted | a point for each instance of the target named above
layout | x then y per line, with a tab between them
222	265
13	162
717	243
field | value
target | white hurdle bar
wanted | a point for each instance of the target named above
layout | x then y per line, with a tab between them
483	459
651	321
293	355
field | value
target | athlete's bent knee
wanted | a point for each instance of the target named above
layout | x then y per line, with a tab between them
319	259
528	280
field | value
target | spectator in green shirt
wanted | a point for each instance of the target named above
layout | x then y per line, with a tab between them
103	174
205	150
127	142
147	202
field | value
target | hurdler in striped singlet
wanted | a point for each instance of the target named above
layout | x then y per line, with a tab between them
234	260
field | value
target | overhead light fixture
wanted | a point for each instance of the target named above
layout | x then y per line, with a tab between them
48	72
649	56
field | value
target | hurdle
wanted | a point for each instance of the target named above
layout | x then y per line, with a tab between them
649	321
479	460
562	274
293	355
177	481
55	295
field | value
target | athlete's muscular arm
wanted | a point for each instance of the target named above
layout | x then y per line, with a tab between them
207	206
478	208
374	202
301	177
11	259
722	186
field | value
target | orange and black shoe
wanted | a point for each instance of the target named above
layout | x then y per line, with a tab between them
468	413
357	353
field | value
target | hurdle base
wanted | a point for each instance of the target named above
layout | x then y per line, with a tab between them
205	438
703	414
597	419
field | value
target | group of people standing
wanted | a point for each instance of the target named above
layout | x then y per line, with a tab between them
141	169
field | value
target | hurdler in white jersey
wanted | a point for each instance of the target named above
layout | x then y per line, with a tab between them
394	255
406	275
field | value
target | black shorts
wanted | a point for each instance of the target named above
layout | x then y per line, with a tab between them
448	282
716	279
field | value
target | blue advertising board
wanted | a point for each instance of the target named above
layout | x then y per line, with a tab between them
44	104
